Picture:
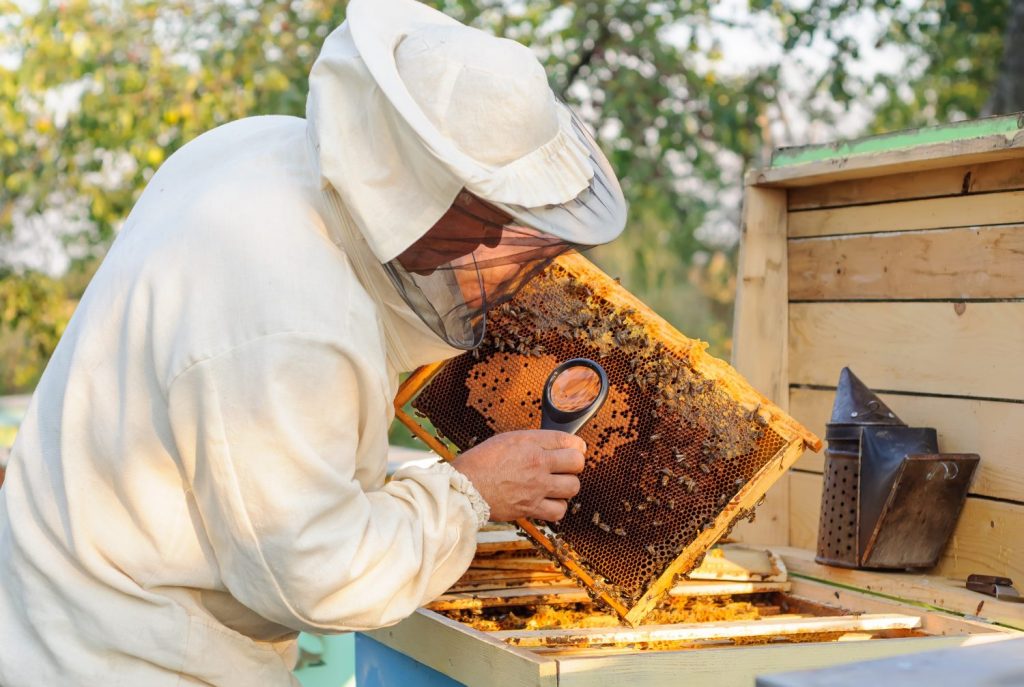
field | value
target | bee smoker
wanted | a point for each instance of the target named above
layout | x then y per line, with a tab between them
891	500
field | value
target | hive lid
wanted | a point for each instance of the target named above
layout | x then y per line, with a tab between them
856	404
681	450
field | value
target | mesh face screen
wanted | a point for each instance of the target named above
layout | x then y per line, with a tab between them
667	453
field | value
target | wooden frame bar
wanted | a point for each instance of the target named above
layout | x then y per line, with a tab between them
696	632
478	658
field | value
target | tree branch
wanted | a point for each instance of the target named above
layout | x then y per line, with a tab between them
586	57
1008	94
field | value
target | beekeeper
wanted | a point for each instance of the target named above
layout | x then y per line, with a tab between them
201	471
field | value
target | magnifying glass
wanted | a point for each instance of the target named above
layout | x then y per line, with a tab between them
575	391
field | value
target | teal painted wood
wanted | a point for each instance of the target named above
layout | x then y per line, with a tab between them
328	661
381	666
1005	125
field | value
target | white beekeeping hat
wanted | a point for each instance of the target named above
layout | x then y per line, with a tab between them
410	110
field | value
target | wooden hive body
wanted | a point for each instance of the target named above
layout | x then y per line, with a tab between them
902	257
682	449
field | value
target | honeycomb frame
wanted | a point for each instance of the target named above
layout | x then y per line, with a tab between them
695	424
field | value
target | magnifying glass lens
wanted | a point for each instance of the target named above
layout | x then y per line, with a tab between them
575	389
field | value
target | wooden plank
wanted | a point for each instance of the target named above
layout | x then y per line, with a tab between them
563	595
804	509
729	629
759	352
964	263
986	540
471	657
941	348
492	585
495	541
932	622
1005	175
759	332
501	563
993	664
931	213
1004	142
991	429
933	590
509	597
731	667
740	563
473	575
703	588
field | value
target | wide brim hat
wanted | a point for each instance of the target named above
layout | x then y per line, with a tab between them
418	112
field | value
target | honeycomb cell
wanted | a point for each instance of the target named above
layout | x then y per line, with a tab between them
667	453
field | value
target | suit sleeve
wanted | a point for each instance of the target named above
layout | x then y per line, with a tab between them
268	434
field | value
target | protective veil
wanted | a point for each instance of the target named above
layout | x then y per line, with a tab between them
200	473
482	176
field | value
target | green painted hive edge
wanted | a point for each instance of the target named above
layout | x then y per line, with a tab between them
1003	125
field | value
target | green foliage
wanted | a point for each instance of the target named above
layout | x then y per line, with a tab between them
34	309
95	95
952	50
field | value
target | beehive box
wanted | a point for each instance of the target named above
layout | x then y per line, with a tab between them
538	639
682	449
899	256
902	257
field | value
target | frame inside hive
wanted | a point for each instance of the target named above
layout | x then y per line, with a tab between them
682	449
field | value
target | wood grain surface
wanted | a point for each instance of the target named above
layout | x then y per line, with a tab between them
760	338
1005	175
932	213
942	348
965	263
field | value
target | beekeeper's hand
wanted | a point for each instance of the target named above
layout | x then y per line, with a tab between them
525	474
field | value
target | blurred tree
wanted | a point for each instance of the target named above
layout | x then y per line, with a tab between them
95	95
1008	94
963	58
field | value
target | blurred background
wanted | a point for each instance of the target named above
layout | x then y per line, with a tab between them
684	96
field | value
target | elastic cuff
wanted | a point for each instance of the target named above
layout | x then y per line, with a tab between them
460	483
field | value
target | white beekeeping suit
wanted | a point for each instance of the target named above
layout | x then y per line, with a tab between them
200	474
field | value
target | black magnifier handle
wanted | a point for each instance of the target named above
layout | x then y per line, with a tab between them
575	391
